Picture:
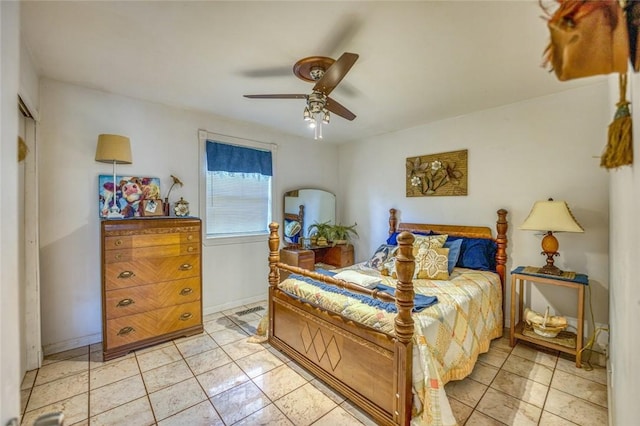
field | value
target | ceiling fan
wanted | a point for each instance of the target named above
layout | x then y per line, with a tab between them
326	73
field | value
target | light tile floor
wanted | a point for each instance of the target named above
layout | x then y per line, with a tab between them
218	378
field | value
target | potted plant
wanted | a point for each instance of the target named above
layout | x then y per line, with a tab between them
341	234
320	233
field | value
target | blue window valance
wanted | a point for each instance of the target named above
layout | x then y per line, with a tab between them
223	157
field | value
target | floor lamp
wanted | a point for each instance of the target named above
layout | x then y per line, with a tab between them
117	150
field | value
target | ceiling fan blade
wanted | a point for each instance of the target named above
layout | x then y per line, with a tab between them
336	73
276	96
336	108
341	35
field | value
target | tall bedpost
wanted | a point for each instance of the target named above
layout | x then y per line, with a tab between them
393	221
501	241
404	328
274	272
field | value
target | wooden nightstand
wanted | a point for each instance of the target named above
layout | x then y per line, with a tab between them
299	257
340	255
565	341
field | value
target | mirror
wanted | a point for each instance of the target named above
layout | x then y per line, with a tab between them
304	207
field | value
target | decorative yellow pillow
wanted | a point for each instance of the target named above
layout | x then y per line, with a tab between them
428	242
431	263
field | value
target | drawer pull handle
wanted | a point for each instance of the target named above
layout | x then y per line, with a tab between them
186	316
186	267
126	274
190	237
125	302
126	330
118	256
190	249
186	291
118	242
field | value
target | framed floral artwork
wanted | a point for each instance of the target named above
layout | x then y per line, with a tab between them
130	192
437	174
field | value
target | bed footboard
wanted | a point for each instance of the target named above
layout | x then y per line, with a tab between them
370	368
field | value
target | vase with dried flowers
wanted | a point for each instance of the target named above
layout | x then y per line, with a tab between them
176	181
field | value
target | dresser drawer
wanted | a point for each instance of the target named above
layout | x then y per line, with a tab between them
123	255
133	300
178	317
150	270
190	237
129	329
141	240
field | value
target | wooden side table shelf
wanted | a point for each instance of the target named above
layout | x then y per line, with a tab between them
338	256
566	341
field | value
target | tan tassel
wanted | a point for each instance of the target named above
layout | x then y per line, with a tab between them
619	150
23	150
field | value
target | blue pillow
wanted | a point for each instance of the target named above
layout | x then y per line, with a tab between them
455	247
478	253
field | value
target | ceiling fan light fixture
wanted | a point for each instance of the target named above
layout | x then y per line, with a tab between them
326	118
307	114
312	123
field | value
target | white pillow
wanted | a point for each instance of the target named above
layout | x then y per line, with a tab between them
357	278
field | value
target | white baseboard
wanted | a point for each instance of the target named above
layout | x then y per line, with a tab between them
206	310
54	348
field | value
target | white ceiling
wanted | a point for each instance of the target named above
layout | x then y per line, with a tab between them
419	61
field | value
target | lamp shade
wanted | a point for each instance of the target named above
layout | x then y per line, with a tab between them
113	149
553	216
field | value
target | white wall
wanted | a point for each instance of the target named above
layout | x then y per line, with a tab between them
624	303
10	368
164	141
518	154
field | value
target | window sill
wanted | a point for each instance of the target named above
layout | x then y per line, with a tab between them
235	239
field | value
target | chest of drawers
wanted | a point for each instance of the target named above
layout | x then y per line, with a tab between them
151	282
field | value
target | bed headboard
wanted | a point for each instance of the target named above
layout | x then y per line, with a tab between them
463	231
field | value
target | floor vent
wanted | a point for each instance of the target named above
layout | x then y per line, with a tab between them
250	310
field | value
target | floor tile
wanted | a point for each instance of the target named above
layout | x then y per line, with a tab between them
150	360
222	378
508	409
484	373
548	419
460	411
115	394
195	345
166	375
239	402
494	357
96	359
330	393
597	374
173	399
540	355
71	353
29	379
466	391
528	369
279	381
58	390
521	388
134	413
217	324
75	409
337	416
479	419
241	348
207	361
259	363
229	334
305	405
575	409
356	412
153	348
582	388
269	415
202	414
63	368
24	399
113	372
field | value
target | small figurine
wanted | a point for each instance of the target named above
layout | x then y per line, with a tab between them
181	208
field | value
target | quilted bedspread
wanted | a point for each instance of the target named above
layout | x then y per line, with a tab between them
448	337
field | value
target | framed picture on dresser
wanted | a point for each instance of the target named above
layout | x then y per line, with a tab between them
127	199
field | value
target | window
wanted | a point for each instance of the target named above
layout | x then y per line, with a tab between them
238	180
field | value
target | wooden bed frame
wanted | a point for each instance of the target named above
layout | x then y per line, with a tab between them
370	368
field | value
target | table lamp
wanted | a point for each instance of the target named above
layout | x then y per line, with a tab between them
117	150
551	216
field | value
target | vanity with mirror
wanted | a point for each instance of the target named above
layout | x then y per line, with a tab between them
303	208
